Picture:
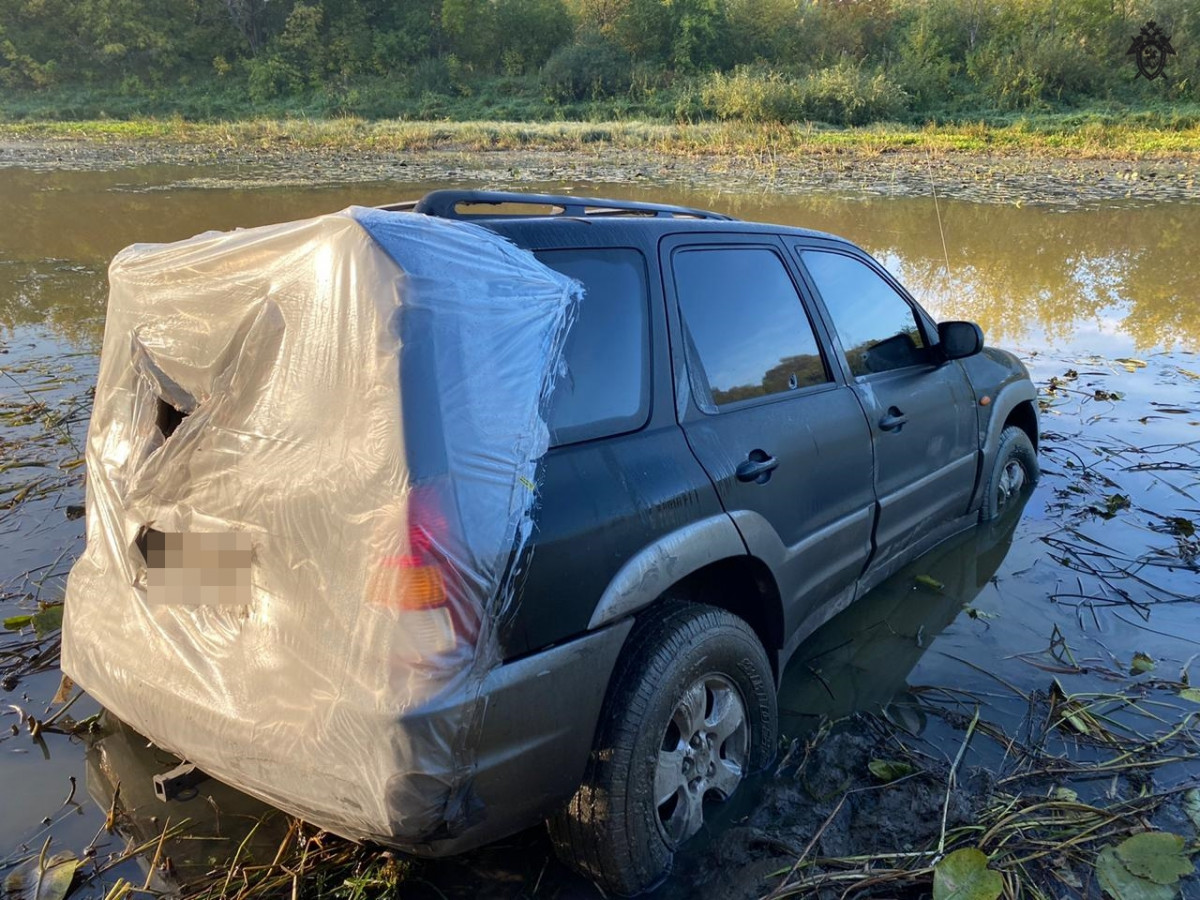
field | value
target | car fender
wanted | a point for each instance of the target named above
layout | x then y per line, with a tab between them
1003	403
669	558
1004	400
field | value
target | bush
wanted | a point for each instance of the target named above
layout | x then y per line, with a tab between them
272	76
844	94
429	76
587	70
923	66
1034	70
752	95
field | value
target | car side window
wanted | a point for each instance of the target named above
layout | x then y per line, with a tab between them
745	326
877	326
605	387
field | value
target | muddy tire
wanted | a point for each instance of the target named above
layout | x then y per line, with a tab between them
690	711
1015	469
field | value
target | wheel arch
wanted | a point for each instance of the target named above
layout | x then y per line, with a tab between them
1024	416
1014	404
743	586
703	562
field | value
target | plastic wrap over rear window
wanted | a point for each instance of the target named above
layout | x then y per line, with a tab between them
605	388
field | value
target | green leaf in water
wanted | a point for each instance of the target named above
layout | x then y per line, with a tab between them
1121	884
44	621
964	875
47	619
929	581
1142	663
1065	794
1113	504
1181	526
1155	855
888	770
42	879
1192	694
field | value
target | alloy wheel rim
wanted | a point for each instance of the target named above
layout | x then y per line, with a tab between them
1012	480
703	753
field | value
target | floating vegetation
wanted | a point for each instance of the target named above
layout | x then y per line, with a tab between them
1073	778
44	409
1020	826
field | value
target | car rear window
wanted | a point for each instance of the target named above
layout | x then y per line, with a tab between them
606	387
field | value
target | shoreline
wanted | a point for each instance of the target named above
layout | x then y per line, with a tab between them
971	163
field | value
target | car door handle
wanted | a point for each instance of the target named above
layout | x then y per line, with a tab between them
893	421
757	467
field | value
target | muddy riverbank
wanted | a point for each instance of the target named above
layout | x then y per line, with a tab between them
1008	177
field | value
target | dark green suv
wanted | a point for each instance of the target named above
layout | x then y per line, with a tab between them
754	426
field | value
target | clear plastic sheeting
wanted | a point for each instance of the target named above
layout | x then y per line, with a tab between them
311	462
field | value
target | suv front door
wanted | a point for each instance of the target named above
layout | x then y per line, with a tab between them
921	408
775	426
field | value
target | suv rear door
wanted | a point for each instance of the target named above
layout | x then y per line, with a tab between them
921	408
775	425
618	474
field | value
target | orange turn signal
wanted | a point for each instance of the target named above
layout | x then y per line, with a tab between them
399	583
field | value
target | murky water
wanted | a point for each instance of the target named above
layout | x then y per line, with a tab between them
1074	291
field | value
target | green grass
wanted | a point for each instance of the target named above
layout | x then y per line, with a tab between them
511	113
1045	136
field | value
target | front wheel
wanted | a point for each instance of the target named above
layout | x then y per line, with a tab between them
690	712
1015	468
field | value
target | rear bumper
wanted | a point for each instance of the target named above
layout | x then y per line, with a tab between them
538	722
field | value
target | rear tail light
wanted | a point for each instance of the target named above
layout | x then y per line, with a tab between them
420	581
411	581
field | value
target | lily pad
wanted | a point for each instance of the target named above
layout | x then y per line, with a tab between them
1192	694
1156	855
964	875
888	770
38	879
47	619
1121	884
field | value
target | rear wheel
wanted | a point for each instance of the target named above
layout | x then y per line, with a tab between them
690	712
1015	469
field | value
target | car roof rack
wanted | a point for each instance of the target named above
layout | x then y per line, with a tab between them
455	204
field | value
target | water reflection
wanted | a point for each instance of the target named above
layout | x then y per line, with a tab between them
1110	279
861	659
1029	275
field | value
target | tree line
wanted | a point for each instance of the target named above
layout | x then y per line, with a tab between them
843	61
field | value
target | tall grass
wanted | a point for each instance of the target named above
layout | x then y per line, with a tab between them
1091	135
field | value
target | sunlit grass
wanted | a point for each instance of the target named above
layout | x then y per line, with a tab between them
1063	136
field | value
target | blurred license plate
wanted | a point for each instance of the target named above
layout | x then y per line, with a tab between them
207	569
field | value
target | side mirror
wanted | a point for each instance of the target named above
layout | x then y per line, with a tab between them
959	339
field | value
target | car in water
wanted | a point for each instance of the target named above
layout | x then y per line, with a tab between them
752	425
